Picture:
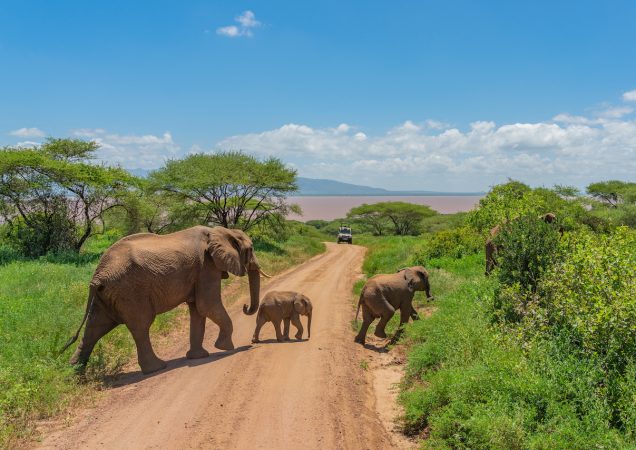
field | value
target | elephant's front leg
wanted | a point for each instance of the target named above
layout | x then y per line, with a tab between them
299	326
406	312
286	328
260	321
209	304
197	331
148	360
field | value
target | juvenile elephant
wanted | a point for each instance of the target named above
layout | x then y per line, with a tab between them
145	274
284	306
382	295
492	249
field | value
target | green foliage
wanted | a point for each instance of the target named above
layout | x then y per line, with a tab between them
558	367
442	222
613	192
405	218
506	202
52	198
591	296
231	189
454	243
527	248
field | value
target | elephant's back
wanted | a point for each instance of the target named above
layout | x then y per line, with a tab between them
146	255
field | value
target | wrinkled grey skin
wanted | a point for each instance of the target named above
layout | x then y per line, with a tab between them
382	295
145	274
283	306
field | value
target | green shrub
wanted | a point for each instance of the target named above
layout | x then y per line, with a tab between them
527	248
591	295
44	233
454	243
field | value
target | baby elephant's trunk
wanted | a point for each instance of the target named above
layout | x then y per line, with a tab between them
309	324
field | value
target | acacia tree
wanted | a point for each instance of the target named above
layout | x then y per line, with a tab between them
371	216
231	189
53	198
403	216
613	192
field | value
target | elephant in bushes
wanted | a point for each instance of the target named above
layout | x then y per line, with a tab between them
382	295
492	249
145	274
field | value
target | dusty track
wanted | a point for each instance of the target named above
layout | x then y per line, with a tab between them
296	395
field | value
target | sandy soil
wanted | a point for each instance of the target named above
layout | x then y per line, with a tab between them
296	395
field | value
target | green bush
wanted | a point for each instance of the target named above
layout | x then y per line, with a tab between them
527	248
592	296
44	233
454	243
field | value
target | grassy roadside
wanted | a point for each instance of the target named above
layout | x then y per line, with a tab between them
41	304
469	384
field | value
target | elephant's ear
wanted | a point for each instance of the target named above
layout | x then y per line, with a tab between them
225	253
300	304
411	277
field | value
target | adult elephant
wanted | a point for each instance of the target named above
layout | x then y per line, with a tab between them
145	274
492	248
382	295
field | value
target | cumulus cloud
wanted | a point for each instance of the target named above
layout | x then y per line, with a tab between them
146	151
28	133
566	150
247	22
630	96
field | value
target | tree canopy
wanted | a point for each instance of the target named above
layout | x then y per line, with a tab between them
231	189
613	192
405	218
52	196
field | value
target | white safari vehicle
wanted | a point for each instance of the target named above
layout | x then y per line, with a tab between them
344	234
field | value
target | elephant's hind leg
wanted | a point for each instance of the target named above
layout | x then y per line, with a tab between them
148	360
197	331
98	325
385	316
367	318
279	335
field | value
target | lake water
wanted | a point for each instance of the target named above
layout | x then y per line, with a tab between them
329	208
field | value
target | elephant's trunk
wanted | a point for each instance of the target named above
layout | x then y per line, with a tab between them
309	324
255	288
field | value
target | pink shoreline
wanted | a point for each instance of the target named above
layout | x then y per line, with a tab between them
334	207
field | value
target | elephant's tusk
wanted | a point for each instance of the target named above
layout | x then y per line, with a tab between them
263	273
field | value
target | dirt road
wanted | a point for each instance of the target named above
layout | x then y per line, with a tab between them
295	395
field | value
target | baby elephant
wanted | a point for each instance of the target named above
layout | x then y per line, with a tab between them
286	306
385	294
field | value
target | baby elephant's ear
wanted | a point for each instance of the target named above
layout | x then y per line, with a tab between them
300	305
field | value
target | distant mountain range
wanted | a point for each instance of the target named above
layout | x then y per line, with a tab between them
320	187
314	187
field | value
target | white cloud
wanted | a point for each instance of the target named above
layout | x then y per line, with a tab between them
248	19
132	151
229	31
566	150
247	22
630	96
28	133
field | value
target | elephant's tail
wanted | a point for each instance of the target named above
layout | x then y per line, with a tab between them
89	306
359	304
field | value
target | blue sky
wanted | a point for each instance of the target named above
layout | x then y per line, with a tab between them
453	95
